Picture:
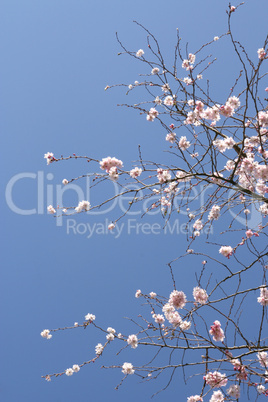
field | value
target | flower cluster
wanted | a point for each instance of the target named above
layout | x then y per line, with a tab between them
108	163
99	349
215	379
217	332
49	156
234	391
195	398
90	317
46	334
263	359
217	396
263	299
152	114
83	206
132	340
213	113
163	175
188	63
183	143
171	137
51	210
200	295
72	370
261	53
226	251
127	368
214	213
177	299
136	172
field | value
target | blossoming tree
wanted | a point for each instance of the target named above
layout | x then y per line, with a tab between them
218	152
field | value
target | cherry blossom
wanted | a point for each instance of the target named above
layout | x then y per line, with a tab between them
127	368
226	251
51	210
49	156
234	391
215	379
263	299
132	340
217	332
139	53
83	206
217	396
108	163
200	295
99	349
177	299
136	172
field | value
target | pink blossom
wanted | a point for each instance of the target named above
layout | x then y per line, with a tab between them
226	251
261	53
263	118
191	58
242	374
215	379
132	340
51	210
234	102
214	213
249	233
174	319
113	173
198	225
227	110
165	88
200	295
140	53
177	299
171	137
136	172
186	64
261	389
127	368
159	318
187	81
195	398
234	391
138	293
163	175
183	143
169	101
49	156
184	325
263	359
263	299
83	206
217	332
212	113
108	163
152	114
155	70
217	396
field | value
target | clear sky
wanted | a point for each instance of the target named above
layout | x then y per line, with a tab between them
56	59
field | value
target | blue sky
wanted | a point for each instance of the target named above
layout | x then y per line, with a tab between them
57	58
